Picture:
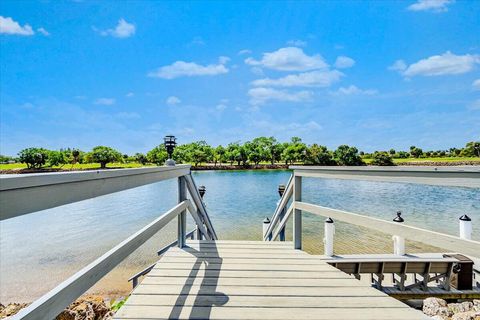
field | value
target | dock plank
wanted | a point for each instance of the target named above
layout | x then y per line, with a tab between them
254	280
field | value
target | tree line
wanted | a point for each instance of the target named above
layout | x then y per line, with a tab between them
256	151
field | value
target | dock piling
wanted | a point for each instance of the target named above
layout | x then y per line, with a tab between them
328	237
266	224
398	241
465	224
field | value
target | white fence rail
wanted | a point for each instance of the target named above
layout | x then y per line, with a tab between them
468	177
23	194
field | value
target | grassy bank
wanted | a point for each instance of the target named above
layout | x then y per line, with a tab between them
19	167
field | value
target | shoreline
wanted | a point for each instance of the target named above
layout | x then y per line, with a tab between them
227	167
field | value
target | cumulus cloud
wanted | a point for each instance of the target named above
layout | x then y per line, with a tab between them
438	65
122	30
297	43
10	26
431	5
190	69
105	101
221	107
259	96
476	84
172	100
354	90
289	59
129	95
317	78
344	62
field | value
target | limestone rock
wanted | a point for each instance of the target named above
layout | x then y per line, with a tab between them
436	307
469	315
90	307
476	305
11	309
460	307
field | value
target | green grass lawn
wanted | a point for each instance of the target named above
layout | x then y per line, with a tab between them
78	166
433	159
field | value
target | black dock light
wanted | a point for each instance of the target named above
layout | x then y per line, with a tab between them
398	218
281	190
202	190
170	142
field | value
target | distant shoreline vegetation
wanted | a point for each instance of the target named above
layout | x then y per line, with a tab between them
260	153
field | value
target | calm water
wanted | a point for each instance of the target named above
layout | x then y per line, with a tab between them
39	250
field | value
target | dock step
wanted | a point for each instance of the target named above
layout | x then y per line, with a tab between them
254	280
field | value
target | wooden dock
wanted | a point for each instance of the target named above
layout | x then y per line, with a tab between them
254	280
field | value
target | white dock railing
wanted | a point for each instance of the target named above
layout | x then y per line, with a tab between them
459	177
23	194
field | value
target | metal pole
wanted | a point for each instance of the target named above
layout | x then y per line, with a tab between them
201	191
297	214
182	217
281	191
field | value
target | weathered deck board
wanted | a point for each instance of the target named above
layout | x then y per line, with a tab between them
254	280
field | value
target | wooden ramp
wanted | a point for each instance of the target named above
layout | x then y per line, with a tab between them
254	280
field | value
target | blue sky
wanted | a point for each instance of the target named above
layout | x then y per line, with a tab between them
124	74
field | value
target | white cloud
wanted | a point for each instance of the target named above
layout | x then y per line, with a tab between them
43	31
129	95
430	5
444	64
105	101
297	43
343	62
475	105
244	51
190	69
9	26
172	100
307	79
476	84
122	30
259	96
257	71
354	90
289	59
398	65
223	60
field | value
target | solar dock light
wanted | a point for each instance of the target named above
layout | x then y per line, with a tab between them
170	142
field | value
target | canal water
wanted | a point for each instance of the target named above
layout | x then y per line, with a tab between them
39	250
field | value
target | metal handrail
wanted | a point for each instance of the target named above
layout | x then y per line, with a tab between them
281	205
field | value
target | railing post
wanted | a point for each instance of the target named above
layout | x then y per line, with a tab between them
281	191
328	237
201	191
398	241
265	225
182	217
465	227
297	214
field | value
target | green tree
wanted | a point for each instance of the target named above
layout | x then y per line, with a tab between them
382	158
140	158
233	152
416	152
219	155
319	155
58	158
103	155
158	155
392	152
5	159
33	157
199	152
472	149
348	156
294	151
